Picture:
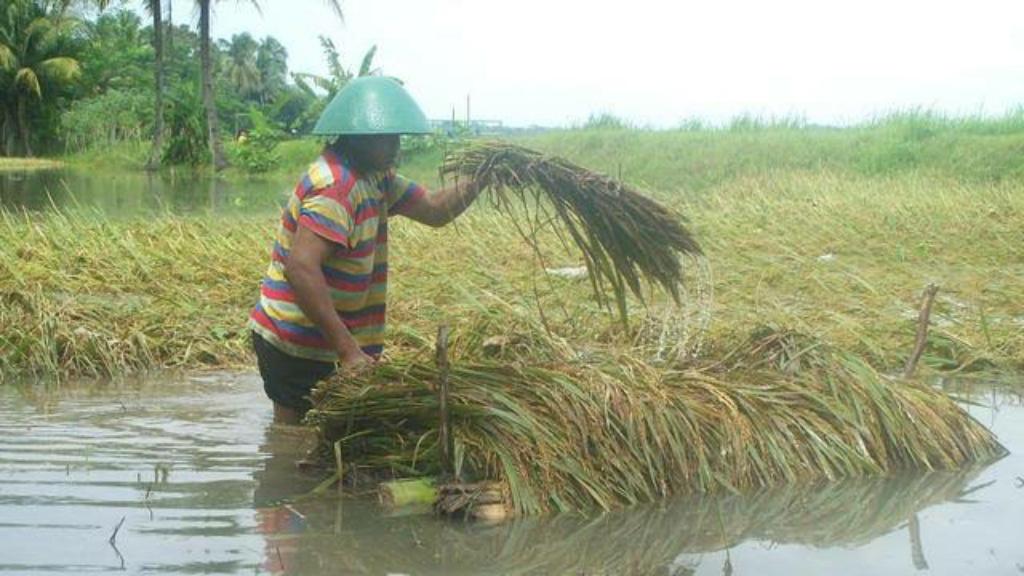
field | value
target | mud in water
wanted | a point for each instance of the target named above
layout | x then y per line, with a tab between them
204	484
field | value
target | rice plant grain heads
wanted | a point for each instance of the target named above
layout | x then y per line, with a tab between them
625	237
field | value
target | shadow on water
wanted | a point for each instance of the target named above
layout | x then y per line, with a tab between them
136	193
200	482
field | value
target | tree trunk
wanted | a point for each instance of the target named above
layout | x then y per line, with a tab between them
23	126
170	28
6	129
158	81
212	133
11	129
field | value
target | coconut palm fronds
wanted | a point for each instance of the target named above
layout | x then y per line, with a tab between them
625	237
576	436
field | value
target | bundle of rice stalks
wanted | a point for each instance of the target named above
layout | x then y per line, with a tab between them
573	436
625	238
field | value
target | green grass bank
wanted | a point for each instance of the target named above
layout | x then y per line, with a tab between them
698	156
16	164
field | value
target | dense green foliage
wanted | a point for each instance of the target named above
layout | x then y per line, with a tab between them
77	80
38	45
186	129
254	151
109	118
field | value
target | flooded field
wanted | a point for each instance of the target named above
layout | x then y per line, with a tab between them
136	193
187	476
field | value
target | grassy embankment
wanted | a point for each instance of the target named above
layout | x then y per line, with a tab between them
132	157
28	163
830	232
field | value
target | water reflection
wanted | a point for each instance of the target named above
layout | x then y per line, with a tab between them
173	459
278	482
135	193
310	537
205	484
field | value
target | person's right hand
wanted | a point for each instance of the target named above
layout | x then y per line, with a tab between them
356	363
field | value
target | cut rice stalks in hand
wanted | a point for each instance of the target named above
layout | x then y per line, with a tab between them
625	237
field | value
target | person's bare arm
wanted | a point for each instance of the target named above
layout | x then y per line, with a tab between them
313	295
439	207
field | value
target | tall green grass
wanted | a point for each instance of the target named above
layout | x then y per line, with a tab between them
698	156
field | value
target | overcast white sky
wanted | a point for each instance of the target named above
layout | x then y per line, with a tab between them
555	62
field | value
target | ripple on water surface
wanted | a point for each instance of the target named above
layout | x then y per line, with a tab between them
204	485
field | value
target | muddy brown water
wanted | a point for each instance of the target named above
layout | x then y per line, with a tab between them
204	484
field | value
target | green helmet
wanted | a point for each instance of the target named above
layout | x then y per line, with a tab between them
372	105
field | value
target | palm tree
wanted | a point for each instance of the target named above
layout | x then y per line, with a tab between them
272	63
154	7
33	64
339	75
219	160
241	66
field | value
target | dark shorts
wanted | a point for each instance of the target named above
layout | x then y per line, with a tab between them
287	379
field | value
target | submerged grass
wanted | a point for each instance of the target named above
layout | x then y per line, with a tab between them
845	258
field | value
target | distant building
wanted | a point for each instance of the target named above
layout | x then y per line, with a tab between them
479	127
475	127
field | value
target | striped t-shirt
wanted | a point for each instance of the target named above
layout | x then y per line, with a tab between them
350	210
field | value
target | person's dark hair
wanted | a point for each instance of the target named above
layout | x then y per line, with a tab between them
351	149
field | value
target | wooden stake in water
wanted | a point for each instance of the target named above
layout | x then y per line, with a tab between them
927	299
922	329
444	431
916	547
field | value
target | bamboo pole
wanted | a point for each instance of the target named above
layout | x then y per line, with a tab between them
409	492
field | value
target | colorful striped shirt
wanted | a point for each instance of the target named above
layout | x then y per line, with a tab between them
350	210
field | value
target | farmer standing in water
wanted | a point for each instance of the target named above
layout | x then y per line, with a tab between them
322	301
